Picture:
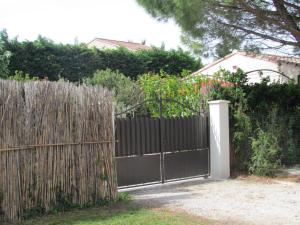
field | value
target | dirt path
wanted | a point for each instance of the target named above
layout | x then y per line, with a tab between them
241	201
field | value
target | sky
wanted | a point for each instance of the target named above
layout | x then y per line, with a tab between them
63	21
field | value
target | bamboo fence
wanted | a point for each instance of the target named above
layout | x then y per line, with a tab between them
54	137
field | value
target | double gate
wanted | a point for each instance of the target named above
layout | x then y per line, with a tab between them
153	150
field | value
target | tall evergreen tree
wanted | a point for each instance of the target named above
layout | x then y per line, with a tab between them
227	24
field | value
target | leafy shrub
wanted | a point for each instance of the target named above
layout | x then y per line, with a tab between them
185	92
123	197
265	156
290	146
4	60
290	153
241	137
286	126
21	76
125	91
63	202
39	210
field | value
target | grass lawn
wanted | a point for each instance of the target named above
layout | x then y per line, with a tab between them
119	214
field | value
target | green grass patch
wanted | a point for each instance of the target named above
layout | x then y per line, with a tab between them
122	213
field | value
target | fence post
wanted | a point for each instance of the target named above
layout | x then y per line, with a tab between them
219	139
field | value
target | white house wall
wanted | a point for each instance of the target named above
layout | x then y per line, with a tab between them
246	64
291	70
101	45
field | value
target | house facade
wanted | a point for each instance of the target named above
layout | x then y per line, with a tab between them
258	66
102	43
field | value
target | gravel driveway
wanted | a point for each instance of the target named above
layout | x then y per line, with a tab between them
235	200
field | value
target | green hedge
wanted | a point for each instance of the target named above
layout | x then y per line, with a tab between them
261	96
43	57
264	122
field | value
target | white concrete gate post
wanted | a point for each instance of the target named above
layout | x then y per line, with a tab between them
219	139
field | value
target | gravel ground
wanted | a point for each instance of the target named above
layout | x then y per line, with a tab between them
234	201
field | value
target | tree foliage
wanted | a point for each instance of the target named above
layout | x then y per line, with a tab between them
181	97
125	91
4	60
229	24
44	58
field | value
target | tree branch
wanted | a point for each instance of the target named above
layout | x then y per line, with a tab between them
288	19
292	5
288	22
265	36
268	15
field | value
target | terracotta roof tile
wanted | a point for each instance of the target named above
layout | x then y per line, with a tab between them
272	58
129	45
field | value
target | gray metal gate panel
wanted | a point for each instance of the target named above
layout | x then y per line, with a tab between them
186	164
137	136
138	170
185	133
158	149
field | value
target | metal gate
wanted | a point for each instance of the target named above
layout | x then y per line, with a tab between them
153	150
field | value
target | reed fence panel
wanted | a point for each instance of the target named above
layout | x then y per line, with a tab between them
56	144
